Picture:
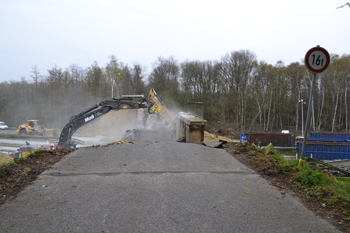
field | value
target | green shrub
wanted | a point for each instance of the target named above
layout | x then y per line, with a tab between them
11	164
20	160
251	153
269	149
249	148
34	153
309	177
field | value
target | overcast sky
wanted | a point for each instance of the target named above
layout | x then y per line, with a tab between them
46	33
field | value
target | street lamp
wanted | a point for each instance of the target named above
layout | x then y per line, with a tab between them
302	116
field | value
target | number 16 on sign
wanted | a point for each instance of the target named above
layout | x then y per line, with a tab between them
317	59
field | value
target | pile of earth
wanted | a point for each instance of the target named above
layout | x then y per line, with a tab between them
5	159
14	178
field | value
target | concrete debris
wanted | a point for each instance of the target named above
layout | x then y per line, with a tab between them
120	143
182	139
162	135
213	144
214	137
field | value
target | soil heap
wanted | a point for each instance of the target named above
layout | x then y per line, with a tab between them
5	159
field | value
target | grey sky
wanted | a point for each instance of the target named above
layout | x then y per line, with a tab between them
46	33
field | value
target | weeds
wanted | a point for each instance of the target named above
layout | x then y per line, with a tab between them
20	160
309	177
11	163
34	153
251	153
249	148
316	183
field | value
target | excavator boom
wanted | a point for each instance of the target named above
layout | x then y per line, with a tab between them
96	111
156	106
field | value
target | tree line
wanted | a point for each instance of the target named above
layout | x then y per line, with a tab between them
238	91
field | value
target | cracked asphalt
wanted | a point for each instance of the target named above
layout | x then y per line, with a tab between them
155	187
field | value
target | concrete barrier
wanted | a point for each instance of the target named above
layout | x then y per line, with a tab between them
190	127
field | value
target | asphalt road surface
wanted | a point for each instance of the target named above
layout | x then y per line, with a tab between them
155	187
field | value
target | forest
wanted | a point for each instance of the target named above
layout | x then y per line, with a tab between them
238	91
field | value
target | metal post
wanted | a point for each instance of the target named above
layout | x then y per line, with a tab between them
112	87
302	116
308	116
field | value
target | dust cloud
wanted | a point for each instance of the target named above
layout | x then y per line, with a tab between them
114	124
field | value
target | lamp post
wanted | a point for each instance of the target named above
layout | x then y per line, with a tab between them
112	87
302	116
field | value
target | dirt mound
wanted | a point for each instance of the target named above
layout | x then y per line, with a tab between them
114	122
5	159
14	178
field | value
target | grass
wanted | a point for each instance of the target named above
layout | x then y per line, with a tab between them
322	185
11	164
288	152
34	153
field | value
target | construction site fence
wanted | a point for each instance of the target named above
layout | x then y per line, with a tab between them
277	139
325	149
329	135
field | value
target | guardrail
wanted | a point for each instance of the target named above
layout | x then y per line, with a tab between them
7	151
43	138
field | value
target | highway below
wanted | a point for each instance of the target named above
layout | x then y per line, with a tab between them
10	141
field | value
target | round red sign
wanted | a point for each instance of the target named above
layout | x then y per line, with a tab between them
317	59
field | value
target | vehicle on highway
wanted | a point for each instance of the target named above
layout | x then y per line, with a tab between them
3	126
31	127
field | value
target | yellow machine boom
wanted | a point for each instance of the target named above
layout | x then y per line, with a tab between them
156	106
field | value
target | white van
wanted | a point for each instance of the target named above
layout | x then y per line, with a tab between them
3	125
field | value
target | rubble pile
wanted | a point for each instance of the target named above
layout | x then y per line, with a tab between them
208	137
120	143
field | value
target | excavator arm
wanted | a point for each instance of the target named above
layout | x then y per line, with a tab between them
96	111
156	106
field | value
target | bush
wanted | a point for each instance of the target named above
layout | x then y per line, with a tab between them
11	164
310	177
34	153
269	150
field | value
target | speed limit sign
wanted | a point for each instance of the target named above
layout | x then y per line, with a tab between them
317	59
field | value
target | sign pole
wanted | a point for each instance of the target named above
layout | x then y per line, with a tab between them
308	116
316	60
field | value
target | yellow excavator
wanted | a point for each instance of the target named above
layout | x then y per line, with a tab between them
156	106
153	105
